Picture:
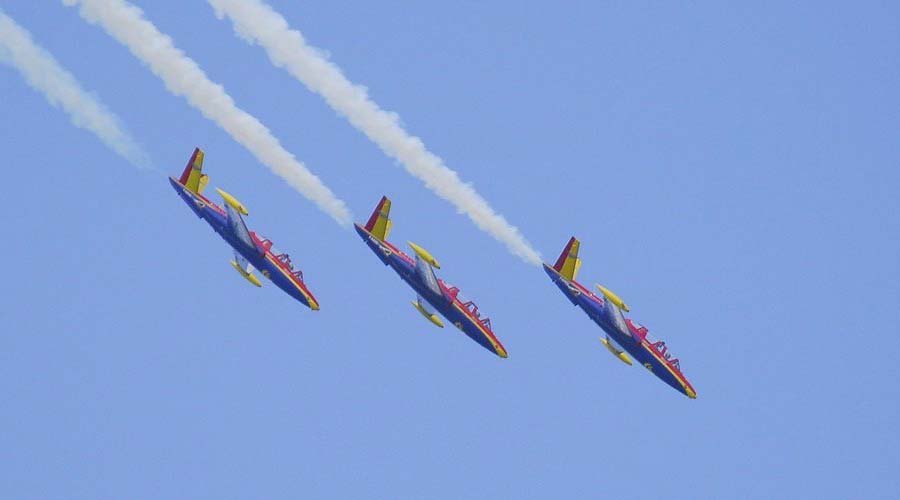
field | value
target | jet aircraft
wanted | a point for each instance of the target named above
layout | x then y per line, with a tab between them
251	251
623	336
431	291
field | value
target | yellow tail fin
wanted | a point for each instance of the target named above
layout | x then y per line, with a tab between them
568	262
193	177
379	224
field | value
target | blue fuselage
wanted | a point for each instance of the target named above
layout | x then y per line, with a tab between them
256	256
610	319
448	307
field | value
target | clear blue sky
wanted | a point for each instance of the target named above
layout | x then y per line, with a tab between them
732	172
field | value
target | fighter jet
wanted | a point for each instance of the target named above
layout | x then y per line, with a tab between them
433	295
623	336
251	252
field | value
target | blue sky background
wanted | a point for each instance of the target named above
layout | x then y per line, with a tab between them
730	169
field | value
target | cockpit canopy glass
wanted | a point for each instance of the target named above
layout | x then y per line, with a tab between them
639	327
283	258
468	305
661	348
473	309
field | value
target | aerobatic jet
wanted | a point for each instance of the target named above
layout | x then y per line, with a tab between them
251	251
433	295
623	336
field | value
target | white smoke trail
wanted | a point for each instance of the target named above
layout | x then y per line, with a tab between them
182	76
255	21
44	73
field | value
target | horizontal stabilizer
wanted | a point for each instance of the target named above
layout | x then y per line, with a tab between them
568	262
379	224
201	185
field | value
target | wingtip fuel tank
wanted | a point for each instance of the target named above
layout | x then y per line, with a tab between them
431	317
613	298
232	202
247	276
617	353
424	255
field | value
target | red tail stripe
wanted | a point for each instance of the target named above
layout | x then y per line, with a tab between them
187	170
565	253
374	218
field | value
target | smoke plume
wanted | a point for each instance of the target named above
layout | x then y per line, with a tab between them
182	76
256	22
44	74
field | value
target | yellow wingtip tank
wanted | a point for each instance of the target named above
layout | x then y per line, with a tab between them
613	298
424	255
232	202
431	317
247	276
617	353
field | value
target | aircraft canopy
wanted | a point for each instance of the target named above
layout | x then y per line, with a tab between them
468	305
661	348
283	258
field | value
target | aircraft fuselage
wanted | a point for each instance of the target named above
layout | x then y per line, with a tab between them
257	256
445	303
609	318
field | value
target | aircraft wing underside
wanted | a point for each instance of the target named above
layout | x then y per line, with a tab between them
245	268
425	305
616	317
237	225
243	263
426	274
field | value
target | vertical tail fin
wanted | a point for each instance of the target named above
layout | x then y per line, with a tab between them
193	178
379	224
568	262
